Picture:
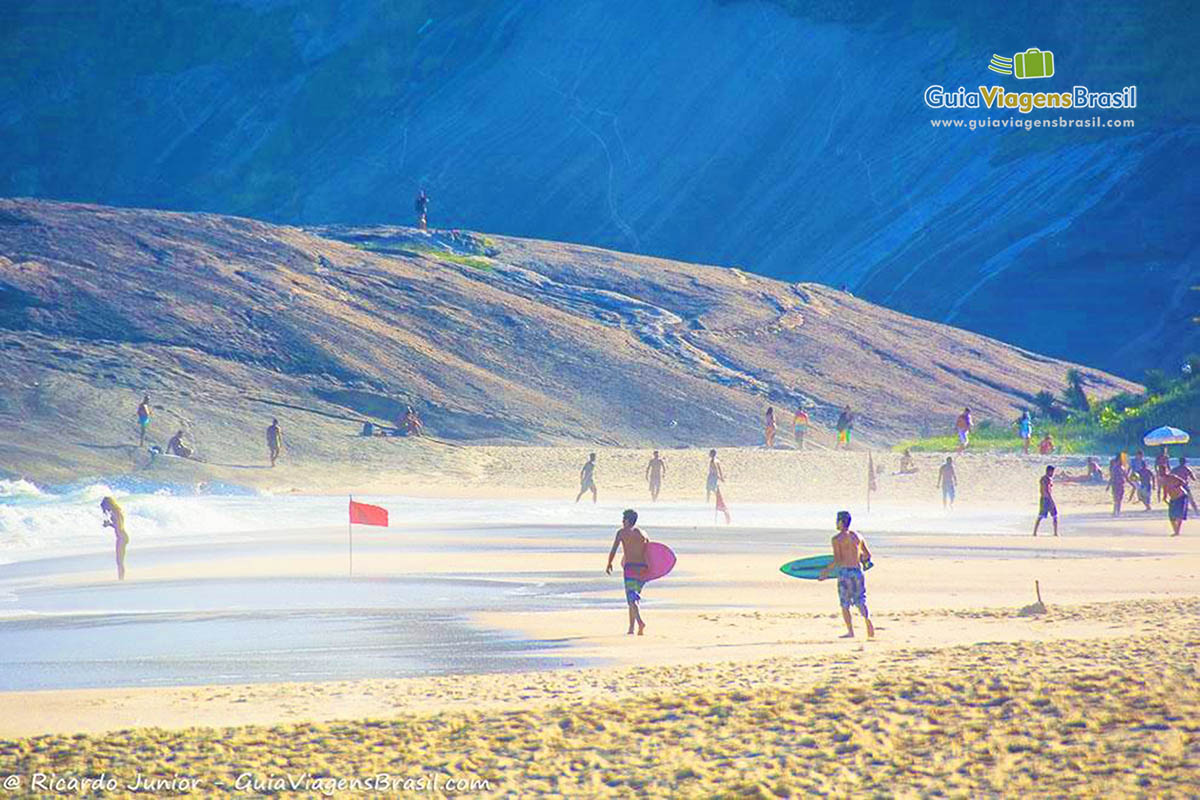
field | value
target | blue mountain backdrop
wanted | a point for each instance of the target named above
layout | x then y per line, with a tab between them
785	138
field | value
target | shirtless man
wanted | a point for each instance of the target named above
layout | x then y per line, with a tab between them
1046	506
715	475
1145	486
849	554
114	518
655	471
274	440
1162	463
1175	488
633	563
947	482
587	478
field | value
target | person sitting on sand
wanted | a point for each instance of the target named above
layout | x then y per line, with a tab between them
274	440
849	554
800	426
715	476
1046	505
655	471
947	482
1094	473
633	563
115	518
143	418
1116	482
176	446
770	427
1046	445
907	465
587	478
410	424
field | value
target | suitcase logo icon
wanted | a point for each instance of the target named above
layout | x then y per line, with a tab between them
1033	63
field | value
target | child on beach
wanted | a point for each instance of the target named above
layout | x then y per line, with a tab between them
633	562
849	554
114	518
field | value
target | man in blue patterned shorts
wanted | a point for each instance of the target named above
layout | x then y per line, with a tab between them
849	554
633	563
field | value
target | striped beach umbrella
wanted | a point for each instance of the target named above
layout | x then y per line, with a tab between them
1166	435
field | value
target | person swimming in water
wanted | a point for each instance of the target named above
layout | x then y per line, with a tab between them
633	563
115	518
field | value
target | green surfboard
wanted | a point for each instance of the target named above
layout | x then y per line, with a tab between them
810	568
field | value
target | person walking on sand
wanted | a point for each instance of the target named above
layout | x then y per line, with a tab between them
587	478
963	426
115	518
422	207
845	424
1175	488
274	440
947	482
716	476
1145	485
656	470
143	418
1046	506
633	566
1116	483
770	427
1025	429
849	554
800	426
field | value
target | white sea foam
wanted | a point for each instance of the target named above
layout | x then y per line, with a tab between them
36	523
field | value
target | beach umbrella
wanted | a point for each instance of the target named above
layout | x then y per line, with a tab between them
1166	435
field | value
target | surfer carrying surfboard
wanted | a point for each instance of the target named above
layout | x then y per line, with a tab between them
849	554
634	564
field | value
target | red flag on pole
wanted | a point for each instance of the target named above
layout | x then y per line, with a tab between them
722	507
364	514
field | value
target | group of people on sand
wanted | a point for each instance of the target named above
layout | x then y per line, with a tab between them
178	445
1174	486
850	556
800	425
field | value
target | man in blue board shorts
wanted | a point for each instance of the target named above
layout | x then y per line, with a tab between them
1046	506
849	554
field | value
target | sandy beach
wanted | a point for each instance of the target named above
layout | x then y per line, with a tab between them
480	638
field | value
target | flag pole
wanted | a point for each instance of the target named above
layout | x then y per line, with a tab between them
350	538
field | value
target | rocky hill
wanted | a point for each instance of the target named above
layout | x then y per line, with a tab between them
787	138
227	321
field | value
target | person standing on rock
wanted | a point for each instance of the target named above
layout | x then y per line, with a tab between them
274	440
587	478
655	471
143	417
422	207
